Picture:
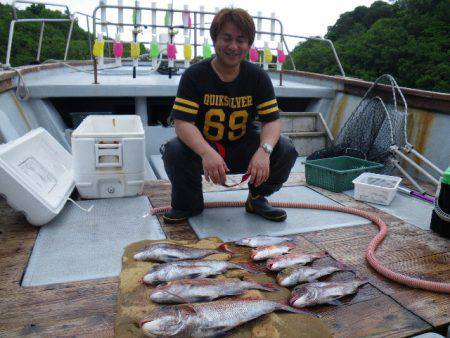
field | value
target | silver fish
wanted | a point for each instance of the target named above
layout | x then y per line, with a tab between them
323	292
204	290
171	271
207	319
261	240
268	251
299	274
281	262
168	252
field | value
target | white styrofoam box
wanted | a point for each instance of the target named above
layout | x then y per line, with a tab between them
109	156
376	188
36	175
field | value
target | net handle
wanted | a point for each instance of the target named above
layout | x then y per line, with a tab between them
395	87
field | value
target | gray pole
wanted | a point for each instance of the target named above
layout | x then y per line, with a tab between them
41	35
89	37
10	38
68	39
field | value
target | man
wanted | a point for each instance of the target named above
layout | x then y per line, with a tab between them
217	102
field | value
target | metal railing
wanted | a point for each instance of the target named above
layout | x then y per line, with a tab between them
336	57
15	20
88	24
195	28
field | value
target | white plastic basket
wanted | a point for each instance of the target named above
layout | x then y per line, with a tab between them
376	188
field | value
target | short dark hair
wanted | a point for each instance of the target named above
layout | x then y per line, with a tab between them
237	16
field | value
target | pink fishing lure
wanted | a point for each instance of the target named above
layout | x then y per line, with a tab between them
253	54
281	56
118	49
171	51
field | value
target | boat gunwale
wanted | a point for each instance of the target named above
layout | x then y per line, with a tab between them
417	98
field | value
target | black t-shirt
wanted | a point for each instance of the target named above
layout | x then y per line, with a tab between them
224	111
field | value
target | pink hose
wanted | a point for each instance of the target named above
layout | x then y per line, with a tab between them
370	252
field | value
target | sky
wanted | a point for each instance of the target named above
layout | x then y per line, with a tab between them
299	17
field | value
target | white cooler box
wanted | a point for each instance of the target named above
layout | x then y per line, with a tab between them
109	156
36	175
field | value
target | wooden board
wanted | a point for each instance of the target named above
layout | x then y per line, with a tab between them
80	308
407	249
88	308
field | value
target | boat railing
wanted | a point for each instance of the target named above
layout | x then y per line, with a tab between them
198	27
88	25
70	18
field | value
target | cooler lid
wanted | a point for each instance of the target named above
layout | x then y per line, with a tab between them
38	163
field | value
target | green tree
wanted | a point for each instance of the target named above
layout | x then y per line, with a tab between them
406	38
26	36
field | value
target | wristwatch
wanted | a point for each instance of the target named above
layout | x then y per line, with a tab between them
267	148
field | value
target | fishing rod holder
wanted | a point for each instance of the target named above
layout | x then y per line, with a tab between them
200	14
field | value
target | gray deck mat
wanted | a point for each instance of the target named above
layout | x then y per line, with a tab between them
158	166
411	210
78	246
234	223
299	167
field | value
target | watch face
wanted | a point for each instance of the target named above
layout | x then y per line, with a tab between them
267	148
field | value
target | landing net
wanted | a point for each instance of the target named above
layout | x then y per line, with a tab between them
376	124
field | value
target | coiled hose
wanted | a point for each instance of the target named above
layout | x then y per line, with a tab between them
370	252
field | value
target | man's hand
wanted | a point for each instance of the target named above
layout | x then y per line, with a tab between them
214	167
259	167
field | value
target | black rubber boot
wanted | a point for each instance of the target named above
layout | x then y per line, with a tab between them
177	216
259	205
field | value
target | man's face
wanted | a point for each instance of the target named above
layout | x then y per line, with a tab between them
231	45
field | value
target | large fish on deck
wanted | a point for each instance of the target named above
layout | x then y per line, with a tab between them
262	240
300	274
168	252
204	289
281	262
167	272
207	319
323	292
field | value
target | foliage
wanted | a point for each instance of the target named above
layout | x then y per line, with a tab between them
408	39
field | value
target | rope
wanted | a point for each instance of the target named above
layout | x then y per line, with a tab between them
22	92
370	251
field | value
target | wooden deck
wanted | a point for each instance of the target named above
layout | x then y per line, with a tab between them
382	308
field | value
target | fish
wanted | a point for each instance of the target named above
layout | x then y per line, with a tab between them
171	271
261	240
284	261
323	292
207	319
268	251
204	290
168	252
299	274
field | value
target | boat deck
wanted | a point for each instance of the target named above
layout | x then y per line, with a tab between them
118	82
381	308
